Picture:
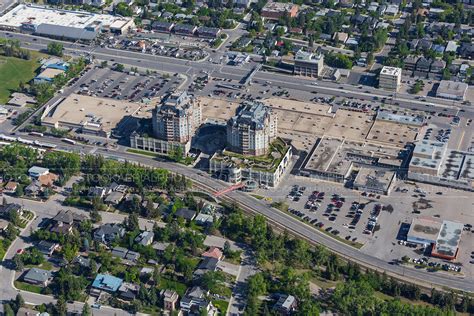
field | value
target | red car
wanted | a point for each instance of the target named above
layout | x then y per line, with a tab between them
20	251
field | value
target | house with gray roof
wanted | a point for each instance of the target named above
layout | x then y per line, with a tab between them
108	233
145	238
38	277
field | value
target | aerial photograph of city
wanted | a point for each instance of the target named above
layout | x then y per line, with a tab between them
237	157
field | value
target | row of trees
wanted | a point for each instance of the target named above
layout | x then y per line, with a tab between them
11	48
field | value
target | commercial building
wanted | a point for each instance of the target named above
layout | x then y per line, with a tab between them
251	131
64	24
447	243
374	180
90	115
334	159
423	231
308	64
235	168
47	75
390	78
452	90
433	162
277	10
405	118
444	238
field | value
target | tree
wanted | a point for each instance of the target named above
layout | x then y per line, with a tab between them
19	191
103	64
131	223
19	301
61	307
18	263
119	67
55	49
86	310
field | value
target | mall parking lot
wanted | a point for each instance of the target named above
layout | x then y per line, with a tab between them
107	83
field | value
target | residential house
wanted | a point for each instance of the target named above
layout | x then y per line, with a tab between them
423	67
107	282
437	68
409	64
213	252
146	271
208	32
285	305
340	37
128	291
23	311
204	219
38	277
114	198
466	50
185	213
108	233
68	217
46	247
119	252
7	209
207	264
165	27
160	247
130	257
451	47
145	238
10	187
33	189
425	44
97	192
115	187
3	225
195	301
47	180
185	29
36	172
170	298
392	10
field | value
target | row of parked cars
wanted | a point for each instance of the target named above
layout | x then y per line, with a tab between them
374	215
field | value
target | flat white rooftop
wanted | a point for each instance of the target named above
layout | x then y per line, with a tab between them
37	15
391	71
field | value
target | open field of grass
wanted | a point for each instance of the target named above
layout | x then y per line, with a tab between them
16	70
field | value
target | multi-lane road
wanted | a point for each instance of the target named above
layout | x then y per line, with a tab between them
173	65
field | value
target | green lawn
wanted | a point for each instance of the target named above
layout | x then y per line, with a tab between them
143	152
179	287
28	287
15	70
221	306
